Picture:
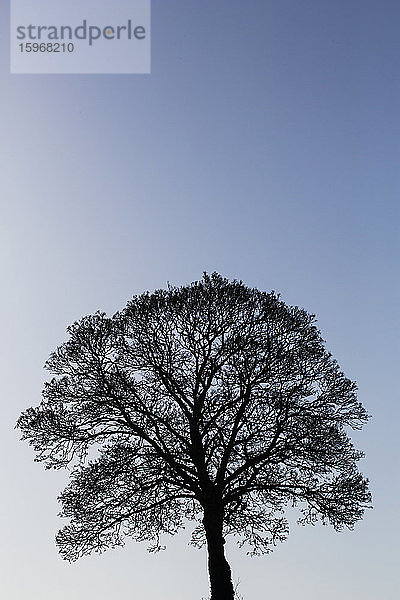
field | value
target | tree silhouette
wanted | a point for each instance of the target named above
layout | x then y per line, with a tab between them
212	402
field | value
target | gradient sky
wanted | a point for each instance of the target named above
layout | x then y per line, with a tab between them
264	145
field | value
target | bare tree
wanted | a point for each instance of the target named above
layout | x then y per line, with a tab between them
212	402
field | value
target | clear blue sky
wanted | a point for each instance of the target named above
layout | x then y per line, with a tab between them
264	145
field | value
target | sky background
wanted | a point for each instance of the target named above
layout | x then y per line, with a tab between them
264	145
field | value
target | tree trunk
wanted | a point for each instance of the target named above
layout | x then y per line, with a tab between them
218	567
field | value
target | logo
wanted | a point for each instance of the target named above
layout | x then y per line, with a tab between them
80	37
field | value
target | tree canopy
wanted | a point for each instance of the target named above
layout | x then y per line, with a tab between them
211	402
